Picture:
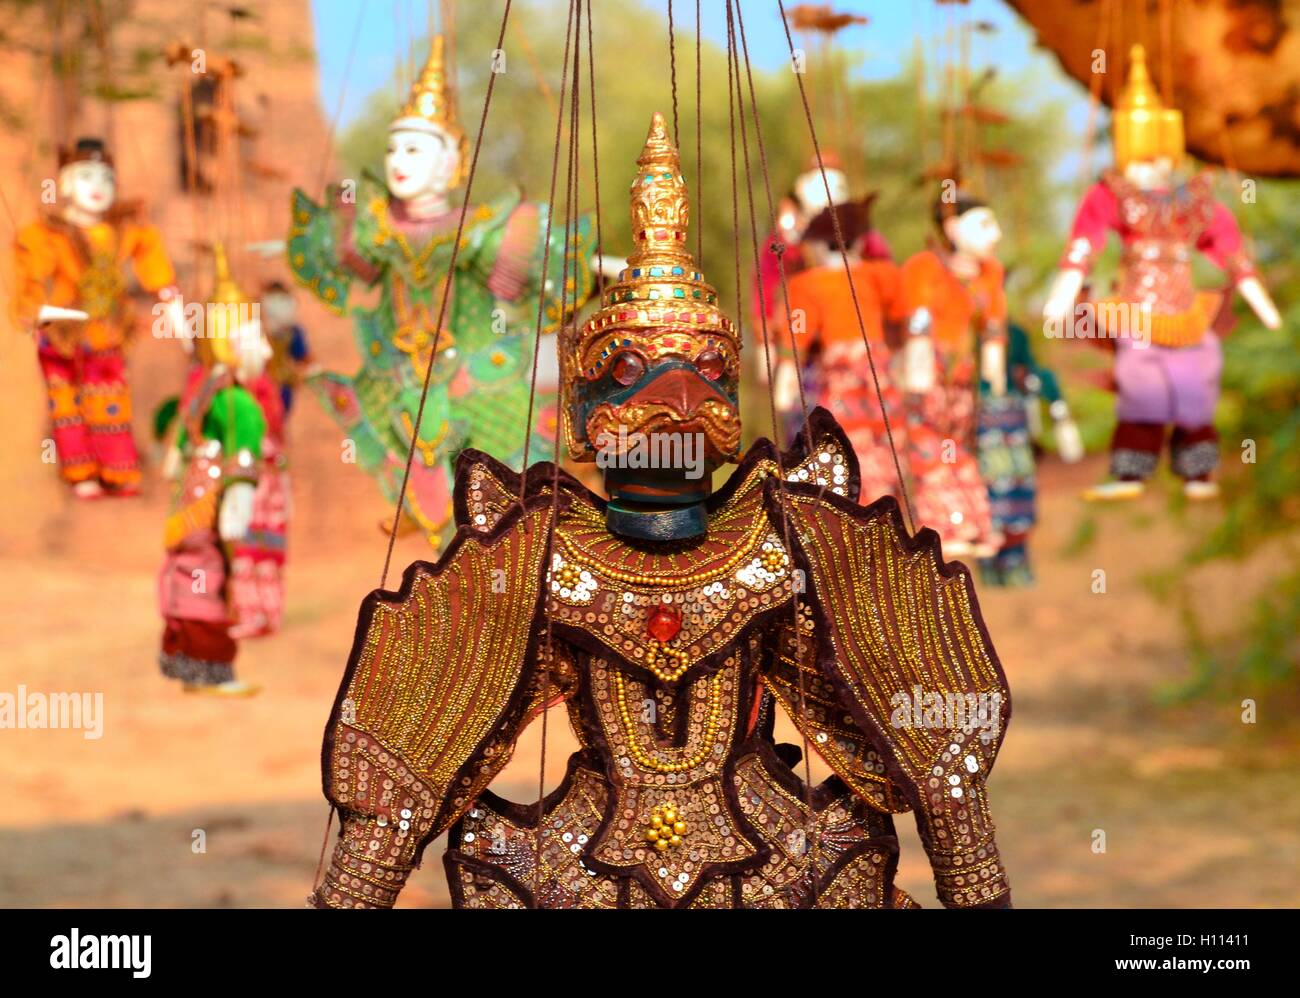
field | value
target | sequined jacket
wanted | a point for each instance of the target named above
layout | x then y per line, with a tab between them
61	264
671	660
1160	231
504	276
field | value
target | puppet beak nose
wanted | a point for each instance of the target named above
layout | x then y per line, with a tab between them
680	389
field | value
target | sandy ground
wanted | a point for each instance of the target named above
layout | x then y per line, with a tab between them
1195	807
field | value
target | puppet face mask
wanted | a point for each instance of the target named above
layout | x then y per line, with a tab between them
975	232
420	162
810	190
1149	174
252	351
90	187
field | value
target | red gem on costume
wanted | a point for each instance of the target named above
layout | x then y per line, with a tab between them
664	623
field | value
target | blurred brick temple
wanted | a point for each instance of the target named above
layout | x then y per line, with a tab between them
118	69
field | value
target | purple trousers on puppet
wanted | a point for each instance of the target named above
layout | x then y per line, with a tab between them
1160	387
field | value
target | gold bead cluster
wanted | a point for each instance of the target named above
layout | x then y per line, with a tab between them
666	829
657	654
568	576
773	560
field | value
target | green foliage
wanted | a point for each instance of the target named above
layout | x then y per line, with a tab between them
894	135
632	81
1085	535
121	93
1261	413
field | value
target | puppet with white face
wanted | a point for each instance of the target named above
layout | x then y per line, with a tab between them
227	481
974	235
87	190
75	267
462	315
950	299
423	162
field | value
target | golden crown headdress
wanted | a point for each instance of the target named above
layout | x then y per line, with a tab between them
225	319
660	298
660	287
1143	127
431	106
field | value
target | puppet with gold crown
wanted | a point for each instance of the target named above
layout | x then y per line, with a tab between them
222	446
72	292
673	621
398	233
1167	355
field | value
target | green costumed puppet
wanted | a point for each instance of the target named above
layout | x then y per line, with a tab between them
399	233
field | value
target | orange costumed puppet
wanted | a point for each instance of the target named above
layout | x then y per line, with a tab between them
952	301
72	293
824	310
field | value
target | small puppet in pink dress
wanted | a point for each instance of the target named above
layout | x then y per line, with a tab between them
1168	359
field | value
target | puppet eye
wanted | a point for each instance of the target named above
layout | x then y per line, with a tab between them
628	367
711	364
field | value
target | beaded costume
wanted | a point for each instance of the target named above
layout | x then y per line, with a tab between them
671	636
479	391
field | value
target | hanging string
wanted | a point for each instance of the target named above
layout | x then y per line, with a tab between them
595	153
239	231
734	55
699	146
546	252
570	226
1121	50
39	102
402	42
672	72
777	247
442	304
328	154
60	62
447	24
948	92
1167	50
918	59
547	94
324	842
105	73
853	291
191	155
1094	95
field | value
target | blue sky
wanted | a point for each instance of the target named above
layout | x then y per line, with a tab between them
884	43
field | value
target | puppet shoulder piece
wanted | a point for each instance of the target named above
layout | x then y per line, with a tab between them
899	632
439	669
